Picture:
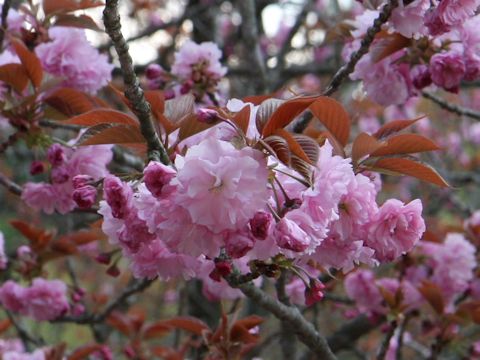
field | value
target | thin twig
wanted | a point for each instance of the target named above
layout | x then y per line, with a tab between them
444	104
133	91
11	186
349	67
286	341
23	334
303	329
349	333
5	9
386	341
136	287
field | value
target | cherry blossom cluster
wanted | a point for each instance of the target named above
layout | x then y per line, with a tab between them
71	170
196	69
449	265
42	300
222	197
440	48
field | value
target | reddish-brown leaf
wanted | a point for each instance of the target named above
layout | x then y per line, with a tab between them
285	114
82	237
39	238
364	145
30	61
102	116
256	99
432	293
191	126
388	45
189	324
4	325
406	144
265	112
166	353
179	108
15	76
84	351
302	167
64	6
77	21
249	322
411	168
334	116
156	330
71	102
112	134
278	147
309	146
156	98
293	145
56	352
242	118
394	126
120	322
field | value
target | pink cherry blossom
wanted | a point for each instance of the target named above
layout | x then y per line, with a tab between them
395	229
156	176
231	183
71	56
192	56
447	70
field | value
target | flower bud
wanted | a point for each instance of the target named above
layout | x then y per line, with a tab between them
56	155
156	176
314	292
81	180
36	167
85	196
207	116
153	71
260	224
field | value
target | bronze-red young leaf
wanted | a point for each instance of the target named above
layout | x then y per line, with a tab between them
333	116
411	168
406	144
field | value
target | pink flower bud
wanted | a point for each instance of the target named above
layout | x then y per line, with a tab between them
81	180
56	155
85	196
422	78
36	167
113	270
290	236
186	87
153	71
224	268
156	176
238	244
260	224
169	94
314	292
78	309
104	258
118	195
208	116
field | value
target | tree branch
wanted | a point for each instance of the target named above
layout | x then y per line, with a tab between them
348	68
349	333
10	185
444	104
136	287
250	39
304	330
5	9
133	91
